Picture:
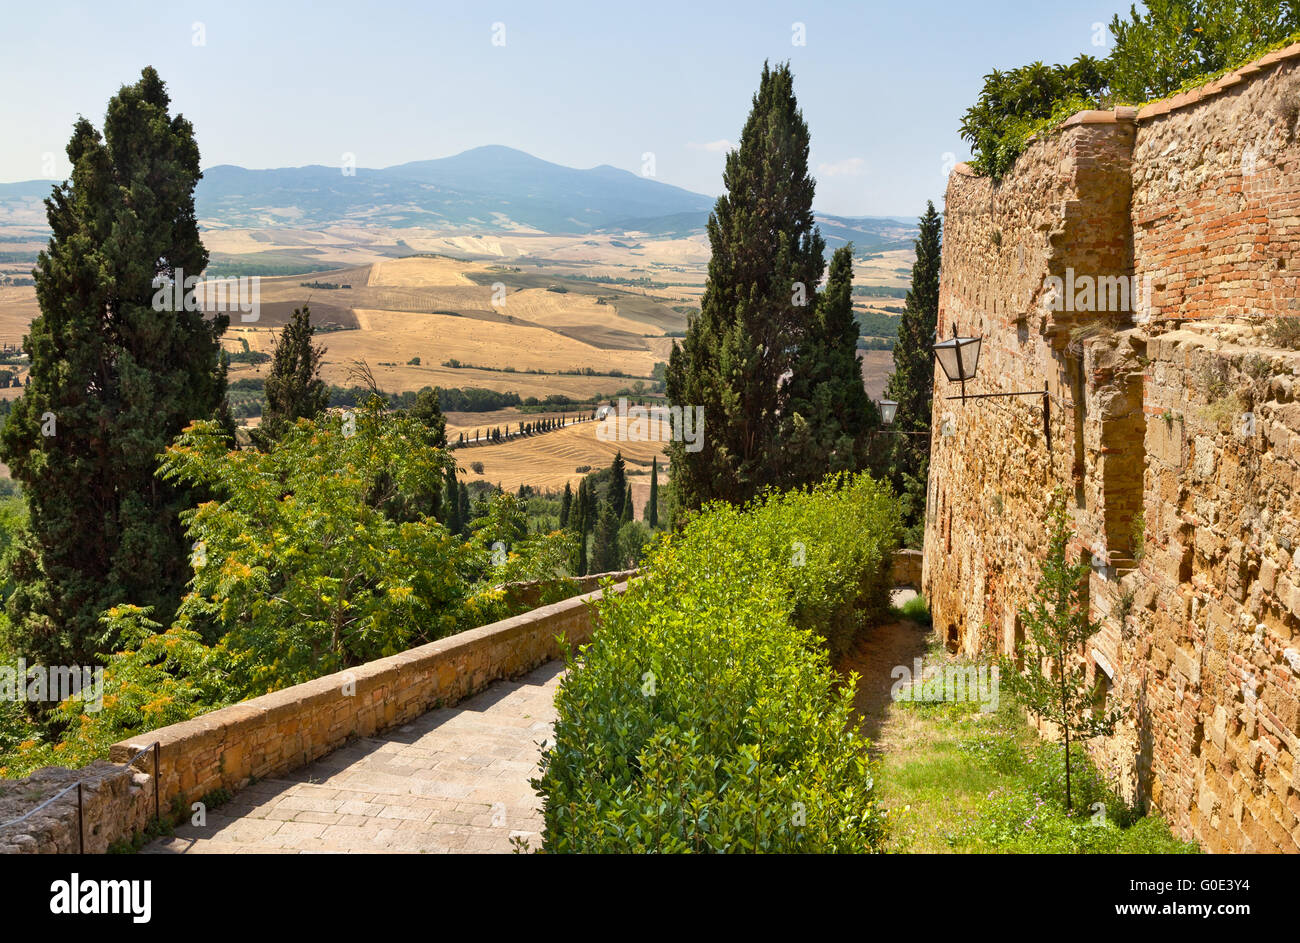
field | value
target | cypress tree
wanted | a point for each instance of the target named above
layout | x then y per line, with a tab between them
566	505
294	389
579	515
625	514
828	418
589	507
428	411
617	482
604	547
464	510
765	265
652	506
912	383
116	373
451	502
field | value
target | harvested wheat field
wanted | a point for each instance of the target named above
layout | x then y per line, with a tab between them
549	460
418	272
458	422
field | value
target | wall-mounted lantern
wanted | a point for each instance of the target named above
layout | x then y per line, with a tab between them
960	357
888	412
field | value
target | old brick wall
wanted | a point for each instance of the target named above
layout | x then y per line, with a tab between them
1176	435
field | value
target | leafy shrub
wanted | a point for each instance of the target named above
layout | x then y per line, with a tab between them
1016	104
1184	42
1175	44
705	715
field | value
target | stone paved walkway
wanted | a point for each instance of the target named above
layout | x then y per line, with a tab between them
455	780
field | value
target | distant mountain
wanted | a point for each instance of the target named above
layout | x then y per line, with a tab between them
483	189
867	233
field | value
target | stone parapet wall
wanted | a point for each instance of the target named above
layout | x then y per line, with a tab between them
1175	428
281	731
905	570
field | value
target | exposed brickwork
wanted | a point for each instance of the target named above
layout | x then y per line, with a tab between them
1199	596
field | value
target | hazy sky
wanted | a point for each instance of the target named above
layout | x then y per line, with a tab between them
882	84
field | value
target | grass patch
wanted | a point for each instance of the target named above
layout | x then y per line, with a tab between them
955	779
916	609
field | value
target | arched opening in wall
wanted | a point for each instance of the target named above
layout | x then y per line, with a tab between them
953	642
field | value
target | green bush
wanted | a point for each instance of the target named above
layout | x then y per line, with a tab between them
705	715
1173	45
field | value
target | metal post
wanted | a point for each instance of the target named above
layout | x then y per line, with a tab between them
156	813
961	371
81	827
1047	419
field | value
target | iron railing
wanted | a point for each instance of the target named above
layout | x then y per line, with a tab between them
81	829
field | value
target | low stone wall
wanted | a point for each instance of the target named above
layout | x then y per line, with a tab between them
906	569
530	594
278	732
117	801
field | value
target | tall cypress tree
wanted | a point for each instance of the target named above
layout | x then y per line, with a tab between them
578	519
828	418
604	546
566	505
912	383
450	505
428	411
626	513
294	389
116	374
765	265
617	482
652	506
463	510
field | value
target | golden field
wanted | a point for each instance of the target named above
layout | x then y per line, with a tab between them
551	315
549	460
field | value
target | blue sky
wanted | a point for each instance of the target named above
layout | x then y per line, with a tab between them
882	84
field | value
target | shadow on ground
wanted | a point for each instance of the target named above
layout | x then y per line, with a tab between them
874	656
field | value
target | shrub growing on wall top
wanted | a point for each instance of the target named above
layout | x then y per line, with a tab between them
705	716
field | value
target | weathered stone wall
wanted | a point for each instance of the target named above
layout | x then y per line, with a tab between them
905	570
281	731
1175	435
1065	208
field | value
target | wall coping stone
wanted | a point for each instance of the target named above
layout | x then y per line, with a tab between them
1218	86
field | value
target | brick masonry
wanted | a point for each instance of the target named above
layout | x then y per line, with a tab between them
1175	432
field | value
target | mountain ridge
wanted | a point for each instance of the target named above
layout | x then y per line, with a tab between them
487	188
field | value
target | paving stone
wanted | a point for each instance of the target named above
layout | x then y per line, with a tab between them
455	780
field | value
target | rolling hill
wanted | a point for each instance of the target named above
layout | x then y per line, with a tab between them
486	189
